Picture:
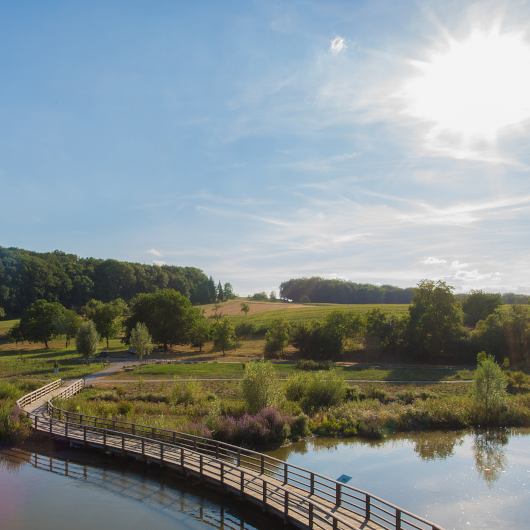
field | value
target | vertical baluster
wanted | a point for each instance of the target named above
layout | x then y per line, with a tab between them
143	448
262	464
50	426
66	430
335	523
285	473
310	516
222	475
216	449
398	519
338	494
239	457
123	444
367	507
182	458
174	437
312	485
84	435
264	496
286	507
161	452
200	466
242	487
104	439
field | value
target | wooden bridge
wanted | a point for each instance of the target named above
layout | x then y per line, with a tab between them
298	496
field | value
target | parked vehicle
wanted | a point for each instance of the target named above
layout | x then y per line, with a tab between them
104	354
131	351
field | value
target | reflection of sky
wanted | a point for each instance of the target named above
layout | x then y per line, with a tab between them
377	141
448	490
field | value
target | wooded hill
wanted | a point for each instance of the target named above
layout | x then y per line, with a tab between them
27	276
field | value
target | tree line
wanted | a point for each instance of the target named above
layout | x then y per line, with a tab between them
72	281
318	290
436	328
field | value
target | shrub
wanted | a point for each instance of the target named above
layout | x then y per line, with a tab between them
324	389
375	392
196	429
14	425
243	329
309	364
187	392
125	408
407	397
353	393
120	391
295	386
9	391
266	427
259	387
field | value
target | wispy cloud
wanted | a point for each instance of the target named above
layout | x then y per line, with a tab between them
337	45
154	252
458	265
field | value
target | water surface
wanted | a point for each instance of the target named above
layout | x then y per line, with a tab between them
455	479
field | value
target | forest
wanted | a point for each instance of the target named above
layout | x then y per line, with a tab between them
27	276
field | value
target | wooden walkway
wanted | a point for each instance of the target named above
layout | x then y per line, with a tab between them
296	495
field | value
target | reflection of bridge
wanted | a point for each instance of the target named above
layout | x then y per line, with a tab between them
298	496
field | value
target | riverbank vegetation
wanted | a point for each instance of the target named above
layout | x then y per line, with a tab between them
320	402
14	425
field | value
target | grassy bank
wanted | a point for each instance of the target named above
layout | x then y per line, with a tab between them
14	426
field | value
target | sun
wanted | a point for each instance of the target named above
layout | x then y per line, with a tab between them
475	88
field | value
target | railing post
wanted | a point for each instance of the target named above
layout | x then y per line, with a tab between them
113	425
312	485
84	435
182	458
242	487
286	507
133	428
67	416
262	464
338	493
143	448
335	523
123	444
367	507
81	419
285	472
264	496
50	426
398	519
66	430
310	516
36	422
174	437
200	466
104	439
216	449
239	457
153	432
222	475
161	452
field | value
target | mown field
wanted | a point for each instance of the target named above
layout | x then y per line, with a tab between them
236	371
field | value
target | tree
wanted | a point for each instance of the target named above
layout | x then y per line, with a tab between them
169	317
141	340
2	312
107	320
273	296
228	291
478	305
200	333
260	296
305	299
89	309
87	340
435	319
277	337
245	308
489	383
259	387
15	334
37	323
222	334
220	293
67	324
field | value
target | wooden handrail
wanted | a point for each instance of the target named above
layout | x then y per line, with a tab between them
338	493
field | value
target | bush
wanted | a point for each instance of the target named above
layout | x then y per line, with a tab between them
268	426
295	386
14	424
259	387
309	364
187	392
375	392
9	391
125	408
324	389
243	329
305	299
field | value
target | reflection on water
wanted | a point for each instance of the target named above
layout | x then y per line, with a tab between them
158	491
490	457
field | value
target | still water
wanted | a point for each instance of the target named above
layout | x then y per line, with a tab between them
455	479
39	491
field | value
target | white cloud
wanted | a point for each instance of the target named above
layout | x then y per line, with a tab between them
154	252
337	45
158	262
458	265
433	261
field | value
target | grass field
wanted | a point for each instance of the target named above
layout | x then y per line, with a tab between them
235	371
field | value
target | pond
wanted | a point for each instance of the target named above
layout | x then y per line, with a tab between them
40	490
455	479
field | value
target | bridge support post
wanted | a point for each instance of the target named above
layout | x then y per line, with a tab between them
222	476
242	487
398	519
123	452
264	507
367	507
337	494
286	507
285	473
310	516
161	454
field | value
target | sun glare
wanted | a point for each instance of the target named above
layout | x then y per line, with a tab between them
475	88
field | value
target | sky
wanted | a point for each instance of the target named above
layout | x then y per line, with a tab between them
378	141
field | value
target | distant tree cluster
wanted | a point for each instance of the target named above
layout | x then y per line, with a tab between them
71	281
318	290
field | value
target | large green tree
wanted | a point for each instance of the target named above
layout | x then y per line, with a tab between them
223	333
435	320
37	323
67	324
478	305
489	384
276	337
141	341
168	315
107	319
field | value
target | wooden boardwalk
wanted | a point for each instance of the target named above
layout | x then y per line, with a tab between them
296	495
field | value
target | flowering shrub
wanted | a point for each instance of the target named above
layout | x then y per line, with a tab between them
196	429
266	427
14	424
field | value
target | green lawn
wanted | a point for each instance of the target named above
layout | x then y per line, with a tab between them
6	325
235	371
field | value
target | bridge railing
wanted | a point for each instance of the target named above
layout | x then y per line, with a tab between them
30	398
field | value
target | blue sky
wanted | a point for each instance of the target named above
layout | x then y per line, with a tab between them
377	141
